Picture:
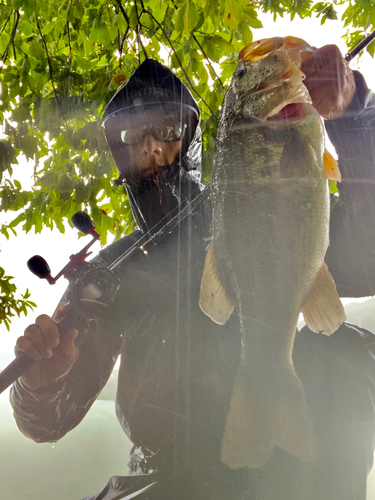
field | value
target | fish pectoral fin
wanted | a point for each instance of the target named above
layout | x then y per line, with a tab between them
213	299
331	167
323	310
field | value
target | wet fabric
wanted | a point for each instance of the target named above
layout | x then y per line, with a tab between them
352	240
178	368
339	380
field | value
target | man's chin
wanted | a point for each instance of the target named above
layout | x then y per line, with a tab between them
151	171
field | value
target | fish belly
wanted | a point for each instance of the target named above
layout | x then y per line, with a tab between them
270	235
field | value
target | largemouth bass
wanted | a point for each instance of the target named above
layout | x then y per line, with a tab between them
270	202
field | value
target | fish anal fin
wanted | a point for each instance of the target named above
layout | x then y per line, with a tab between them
213	299
257	422
331	167
323	310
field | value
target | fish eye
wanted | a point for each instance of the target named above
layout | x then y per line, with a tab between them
241	73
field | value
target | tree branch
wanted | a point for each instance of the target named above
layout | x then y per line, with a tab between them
6	22
120	46
130	46
127	29
178	59
137	30
46	49
12	35
208	59
142	46
123	12
69	38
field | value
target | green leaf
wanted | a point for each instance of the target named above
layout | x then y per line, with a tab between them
36	50
251	17
47	28
187	17
247	35
371	49
27	28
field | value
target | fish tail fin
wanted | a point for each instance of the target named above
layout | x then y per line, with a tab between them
291	425
246	441
257	422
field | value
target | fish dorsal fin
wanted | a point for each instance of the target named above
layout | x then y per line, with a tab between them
213	299
331	167
323	310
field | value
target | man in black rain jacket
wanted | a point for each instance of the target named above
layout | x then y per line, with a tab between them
177	366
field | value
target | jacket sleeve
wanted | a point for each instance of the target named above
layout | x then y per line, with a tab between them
48	413
351	254
338	376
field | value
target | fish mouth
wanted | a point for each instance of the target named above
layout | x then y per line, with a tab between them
269	80
260	49
293	111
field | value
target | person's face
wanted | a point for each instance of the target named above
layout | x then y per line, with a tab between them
148	154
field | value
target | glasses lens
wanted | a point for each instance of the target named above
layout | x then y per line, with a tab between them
132	136
168	130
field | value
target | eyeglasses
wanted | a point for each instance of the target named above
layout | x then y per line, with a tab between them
168	130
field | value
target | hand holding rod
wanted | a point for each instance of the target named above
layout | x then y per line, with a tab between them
40	268
23	362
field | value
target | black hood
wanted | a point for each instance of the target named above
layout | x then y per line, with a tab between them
152	199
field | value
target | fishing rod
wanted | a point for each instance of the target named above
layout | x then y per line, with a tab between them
99	295
162	228
362	45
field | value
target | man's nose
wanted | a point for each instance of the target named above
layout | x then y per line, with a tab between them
151	146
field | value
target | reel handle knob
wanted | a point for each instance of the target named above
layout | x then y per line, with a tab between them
83	222
38	266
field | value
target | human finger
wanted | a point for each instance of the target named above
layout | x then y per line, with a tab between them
49	330
35	335
67	344
26	346
67	352
329	81
329	55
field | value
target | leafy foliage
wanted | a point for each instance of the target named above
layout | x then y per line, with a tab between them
62	61
9	305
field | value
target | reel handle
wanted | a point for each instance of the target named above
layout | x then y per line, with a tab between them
38	265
